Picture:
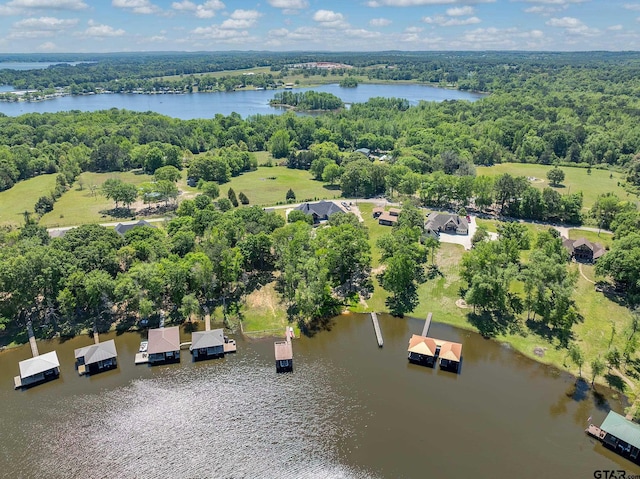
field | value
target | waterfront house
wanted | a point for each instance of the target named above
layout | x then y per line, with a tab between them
364	151
450	355
445	223
122	228
38	369
320	211
621	435
96	358
284	356
422	350
583	250
387	218
164	345
207	344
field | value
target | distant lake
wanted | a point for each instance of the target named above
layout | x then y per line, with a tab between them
245	102
33	65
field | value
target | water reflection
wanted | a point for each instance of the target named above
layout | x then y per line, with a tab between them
350	409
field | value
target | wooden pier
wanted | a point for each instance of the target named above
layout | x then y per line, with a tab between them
376	328
32	340
427	323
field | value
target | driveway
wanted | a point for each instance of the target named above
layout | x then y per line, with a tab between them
465	240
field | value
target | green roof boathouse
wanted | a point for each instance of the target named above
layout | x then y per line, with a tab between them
618	434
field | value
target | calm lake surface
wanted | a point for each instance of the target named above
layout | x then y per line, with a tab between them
349	410
245	103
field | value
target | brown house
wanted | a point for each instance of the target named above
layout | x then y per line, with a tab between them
422	350
450	355
284	356
164	345
582	250
387	219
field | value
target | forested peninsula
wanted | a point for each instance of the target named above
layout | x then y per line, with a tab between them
564	111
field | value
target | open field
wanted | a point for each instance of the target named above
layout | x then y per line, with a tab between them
78	207
264	314
576	179
220	73
22	197
269	185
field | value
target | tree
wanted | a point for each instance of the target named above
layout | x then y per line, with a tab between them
575	353
331	173
297	215
232	197
243	198
555	176
597	368
318	166
279	144
211	189
291	196
169	173
43	205
613	358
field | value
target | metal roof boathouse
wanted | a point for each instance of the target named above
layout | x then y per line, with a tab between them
620	435
37	370
164	345
96	358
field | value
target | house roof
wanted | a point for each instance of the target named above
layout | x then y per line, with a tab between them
39	364
321	208
378	209
618	426
422	345
163	340
207	339
571	245
386	216
451	351
395	211
97	352
437	221
283	350
122	228
364	151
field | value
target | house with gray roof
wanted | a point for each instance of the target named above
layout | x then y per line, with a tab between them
122	228
38	369
164	345
320	211
207	344
96	358
583	250
446	223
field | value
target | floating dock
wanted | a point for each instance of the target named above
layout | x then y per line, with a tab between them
230	346
142	358
376	328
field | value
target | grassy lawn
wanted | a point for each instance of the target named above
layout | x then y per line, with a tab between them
269	185
264	314
78	207
576	179
22	197
604	239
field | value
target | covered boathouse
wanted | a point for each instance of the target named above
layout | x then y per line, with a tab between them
164	345
620	435
38	369
284	356
422	350
207	344
96	358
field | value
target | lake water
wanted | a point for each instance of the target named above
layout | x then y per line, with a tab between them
245	103
349	410
23	66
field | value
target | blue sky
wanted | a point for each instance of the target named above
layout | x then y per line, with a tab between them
328	25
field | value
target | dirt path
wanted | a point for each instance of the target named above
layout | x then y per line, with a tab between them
582	274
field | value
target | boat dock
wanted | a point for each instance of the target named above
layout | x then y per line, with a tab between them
32	340
376	328
595	431
142	358
427	324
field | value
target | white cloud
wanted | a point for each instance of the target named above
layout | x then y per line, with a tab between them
379	22
101	31
241	19
556	2
184	5
418	3
214	32
460	11
413	29
45	23
330	19
289	4
632	6
144	7
444	21
48	4
47	46
361	33
572	26
204	10
545	9
615	28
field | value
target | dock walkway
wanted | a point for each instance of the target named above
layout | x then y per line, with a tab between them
376	328
427	323
32	340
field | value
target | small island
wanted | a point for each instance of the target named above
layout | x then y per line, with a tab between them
348	82
307	101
